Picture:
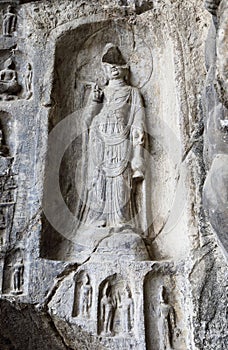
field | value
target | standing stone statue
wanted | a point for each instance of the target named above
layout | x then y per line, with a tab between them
166	321
215	98
18	270
114	161
108	308
127	314
85	299
9	22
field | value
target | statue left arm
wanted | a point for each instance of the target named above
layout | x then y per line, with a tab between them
138	136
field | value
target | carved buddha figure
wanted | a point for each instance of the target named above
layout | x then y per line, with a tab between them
8	79
9	22
115	136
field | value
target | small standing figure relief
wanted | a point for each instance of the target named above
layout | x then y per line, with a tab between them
127	311
108	309
4	150
166	321
85	299
9	22
28	81
8	80
18	271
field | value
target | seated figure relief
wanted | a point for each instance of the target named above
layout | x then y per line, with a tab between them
113	144
9	86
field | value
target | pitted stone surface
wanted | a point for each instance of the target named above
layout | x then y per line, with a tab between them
113	174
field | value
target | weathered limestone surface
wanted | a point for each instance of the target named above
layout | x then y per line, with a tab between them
113	174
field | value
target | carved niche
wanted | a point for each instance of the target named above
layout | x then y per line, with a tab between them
9	21
16	75
13	274
8	181
115	308
82	296
104	195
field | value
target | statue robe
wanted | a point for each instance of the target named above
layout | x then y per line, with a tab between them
113	154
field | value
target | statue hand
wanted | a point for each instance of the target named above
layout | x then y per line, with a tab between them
97	94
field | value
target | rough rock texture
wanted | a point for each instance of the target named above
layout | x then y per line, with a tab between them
155	282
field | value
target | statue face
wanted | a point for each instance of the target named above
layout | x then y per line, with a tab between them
115	72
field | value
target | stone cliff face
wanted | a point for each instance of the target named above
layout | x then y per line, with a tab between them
113	174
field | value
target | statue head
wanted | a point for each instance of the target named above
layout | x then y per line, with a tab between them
114	64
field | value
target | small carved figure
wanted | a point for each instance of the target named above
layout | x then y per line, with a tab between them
4	150
85	300
127	307
28	81
8	80
108	309
18	270
9	22
166	321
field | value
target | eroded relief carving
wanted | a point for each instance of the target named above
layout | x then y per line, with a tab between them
166	321
28	81
13	282
7	189
83	294
108	307
127	310
115	161
18	281
115	308
9	86
9	22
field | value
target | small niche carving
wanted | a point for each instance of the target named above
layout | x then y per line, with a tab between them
115	308
83	296
7	188
13	280
9	22
28	81
127	310
166	321
9	86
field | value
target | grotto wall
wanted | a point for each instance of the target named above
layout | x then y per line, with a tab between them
113	174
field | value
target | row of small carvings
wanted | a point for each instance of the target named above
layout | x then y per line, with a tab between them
116	307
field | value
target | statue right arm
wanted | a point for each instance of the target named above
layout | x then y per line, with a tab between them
94	105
